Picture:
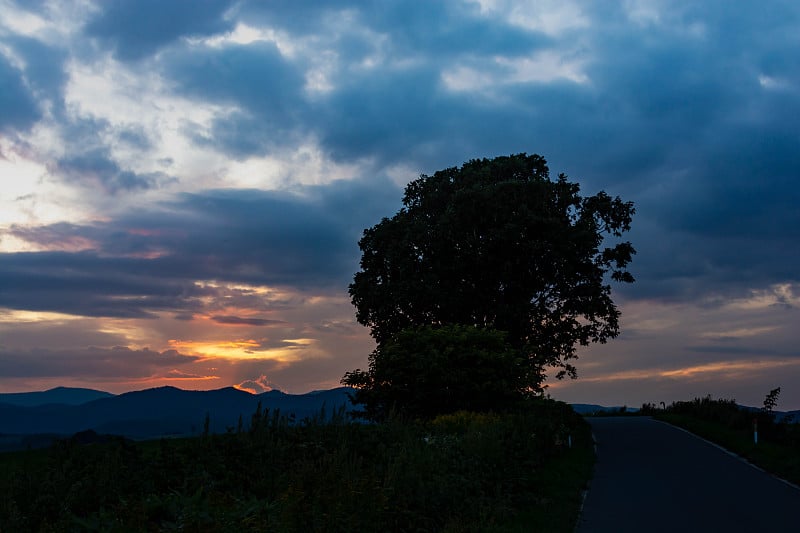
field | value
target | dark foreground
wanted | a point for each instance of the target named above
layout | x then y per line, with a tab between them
653	477
464	472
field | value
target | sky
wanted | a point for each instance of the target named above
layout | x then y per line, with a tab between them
184	183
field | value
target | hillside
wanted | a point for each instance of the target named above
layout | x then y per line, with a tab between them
160	411
58	395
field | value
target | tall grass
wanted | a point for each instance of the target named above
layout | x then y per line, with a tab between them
460	472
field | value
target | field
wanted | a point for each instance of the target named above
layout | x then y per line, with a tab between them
458	472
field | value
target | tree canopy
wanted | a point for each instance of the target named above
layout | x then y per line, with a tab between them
497	244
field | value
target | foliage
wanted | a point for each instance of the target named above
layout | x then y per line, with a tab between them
725	411
497	244
459	472
422	372
771	400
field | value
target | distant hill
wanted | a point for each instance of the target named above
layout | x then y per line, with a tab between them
163	411
58	395
589	408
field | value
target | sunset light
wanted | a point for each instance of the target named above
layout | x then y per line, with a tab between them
190	195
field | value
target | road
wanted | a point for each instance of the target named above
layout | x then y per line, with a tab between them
653	477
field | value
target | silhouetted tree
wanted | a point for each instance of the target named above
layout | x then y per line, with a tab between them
771	400
496	244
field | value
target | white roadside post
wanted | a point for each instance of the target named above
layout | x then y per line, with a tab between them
755	431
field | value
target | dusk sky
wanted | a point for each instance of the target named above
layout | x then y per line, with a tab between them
184	183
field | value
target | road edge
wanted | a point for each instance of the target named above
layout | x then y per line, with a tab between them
585	491
729	452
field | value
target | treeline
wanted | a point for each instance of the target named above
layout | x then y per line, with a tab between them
456	472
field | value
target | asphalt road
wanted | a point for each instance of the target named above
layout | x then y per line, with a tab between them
653	477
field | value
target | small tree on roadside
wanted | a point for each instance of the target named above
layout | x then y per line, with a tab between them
771	401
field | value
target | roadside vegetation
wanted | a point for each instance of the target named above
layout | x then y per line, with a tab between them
456	472
724	422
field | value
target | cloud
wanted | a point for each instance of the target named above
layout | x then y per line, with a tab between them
255	386
194	249
176	374
18	108
119	363
42	67
134	29
97	168
264	88
244	321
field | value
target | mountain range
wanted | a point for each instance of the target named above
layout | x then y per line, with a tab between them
150	413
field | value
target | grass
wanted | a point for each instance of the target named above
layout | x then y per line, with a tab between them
556	511
460	472
780	459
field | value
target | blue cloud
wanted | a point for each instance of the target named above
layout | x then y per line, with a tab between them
135	29
18	109
44	67
97	167
266	89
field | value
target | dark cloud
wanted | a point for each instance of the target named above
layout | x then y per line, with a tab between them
58	236
97	167
87	284
266	87
18	108
134	137
88	159
445	28
138	28
266	344
55	334
731	350
145	262
389	114
245	321
240	135
256	76
44	68
687	113
394	110
119	363
301	16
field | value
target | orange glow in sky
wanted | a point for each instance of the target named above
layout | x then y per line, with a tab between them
242	349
